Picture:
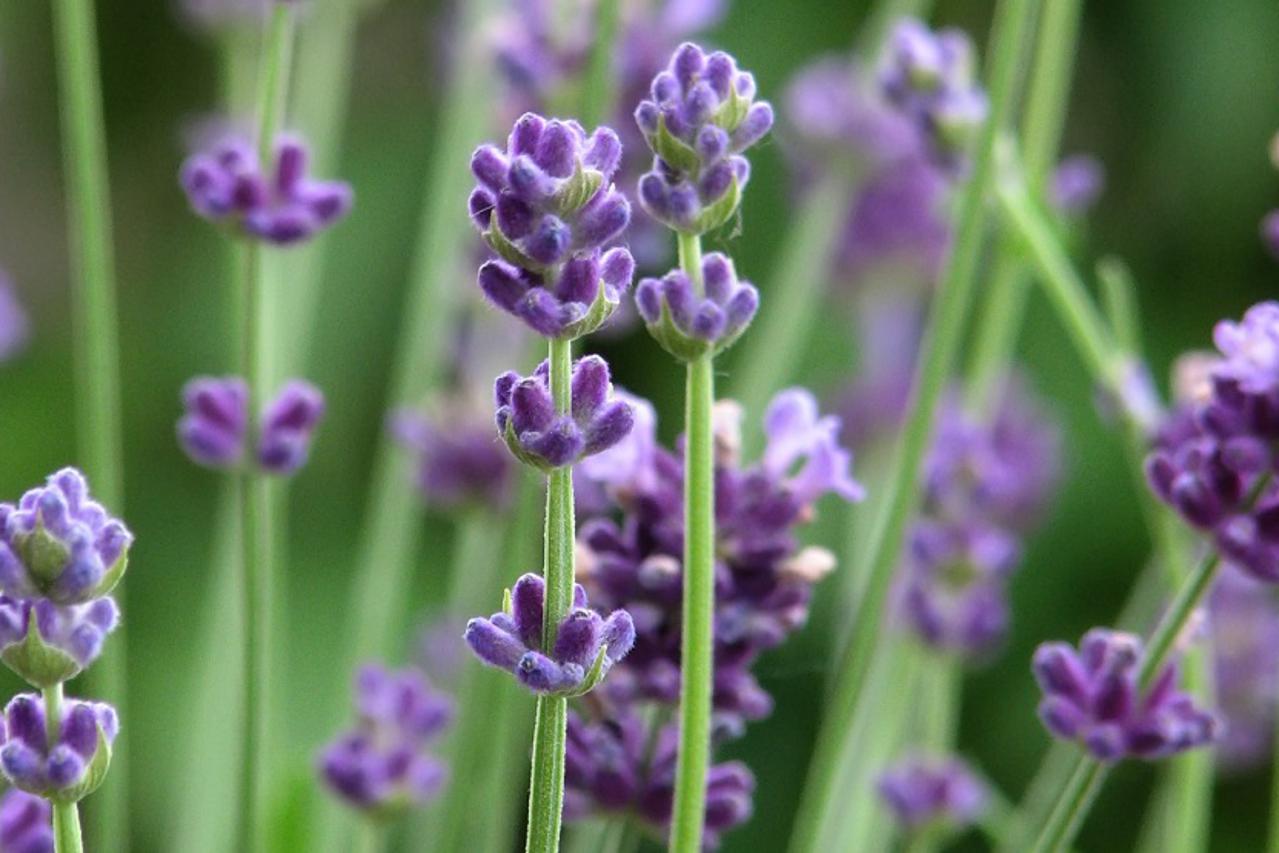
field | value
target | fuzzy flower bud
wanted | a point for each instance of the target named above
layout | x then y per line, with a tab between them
537	435
586	644
277	204
60	544
691	320
921	792
74	764
48	644
700	117
381	766
212	432
26	823
1077	183
14	326
568	302
1092	696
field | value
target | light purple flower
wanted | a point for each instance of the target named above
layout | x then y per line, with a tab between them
923	791
212	431
26	823
803	449
74	764
68	637
15	328
1077	183
1250	349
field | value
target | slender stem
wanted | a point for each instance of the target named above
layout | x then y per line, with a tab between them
97	349
1119	296
66	819
1072	806
697	643
1190	776
940	346
371	837
274	81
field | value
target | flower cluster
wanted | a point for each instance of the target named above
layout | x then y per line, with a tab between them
14	326
71	765
1243	623
691	319
213	430
458	463
547	206
1213	459
630	556
537	435
923	792
700	117
277	203
61	554
381	765
1092	696
984	482
26	823
586	645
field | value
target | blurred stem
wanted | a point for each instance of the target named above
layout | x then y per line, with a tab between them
697	641
821	801
371	837
66	819
546	790
100	446
941	714
1072	805
599	92
1190	775
1119	296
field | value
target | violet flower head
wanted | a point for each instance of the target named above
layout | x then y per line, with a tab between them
587	645
539	436
48	644
929	76
278	203
70	767
1092	696
60	544
690	319
26	823
803	449
212	432
1250	349
458	463
700	117
933	791
15	329
381	766
1077	183
1243	618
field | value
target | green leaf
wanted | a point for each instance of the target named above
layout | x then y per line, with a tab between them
676	152
114	573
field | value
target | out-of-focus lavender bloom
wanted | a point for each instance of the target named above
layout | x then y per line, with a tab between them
933	791
1077	183
70	767
693	319
48	644
1211	456
897	218
381	765
278	203
60	544
1092	696
458	464
700	117
625	469
1270	232
14	326
1243	620
803	452
212	431
537	435
587	645
929	75
608	769
26	823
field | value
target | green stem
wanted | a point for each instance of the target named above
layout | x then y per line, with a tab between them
1119	296
371	837
546	790
940	346
1072	806
696	670
598	93
66	819
1190	776
97	348
274	81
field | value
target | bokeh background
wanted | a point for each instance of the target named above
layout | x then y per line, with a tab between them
1178	98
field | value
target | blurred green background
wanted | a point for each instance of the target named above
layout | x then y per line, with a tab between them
1179	99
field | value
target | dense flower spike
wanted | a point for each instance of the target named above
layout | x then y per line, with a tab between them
212	432
587	645
1243	621
381	765
700	117
278	204
923	792
1092	696
930	77
458	463
48	644
1077	183
73	764
1212	459
692	319
538	436
608	768
14	326
26	823
60	544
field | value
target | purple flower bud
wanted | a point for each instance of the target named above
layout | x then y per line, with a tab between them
212	432
67	638
74	763
288	425
689	325
457	464
1077	183
26	823
924	791
797	433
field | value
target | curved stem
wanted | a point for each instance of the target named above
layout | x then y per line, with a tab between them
697	643
941	343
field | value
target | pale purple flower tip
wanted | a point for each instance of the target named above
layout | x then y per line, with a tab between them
569	301
14	327
803	449
212	431
288	425
1077	183
921	791
33	764
1270	233
26	823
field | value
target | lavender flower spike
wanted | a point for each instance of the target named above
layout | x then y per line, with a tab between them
538	436
459	463
48	644
213	430
690	321
701	116
26	823
586	645
277	203
14	326
1092	696
925	791
60	544
74	764
381	766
